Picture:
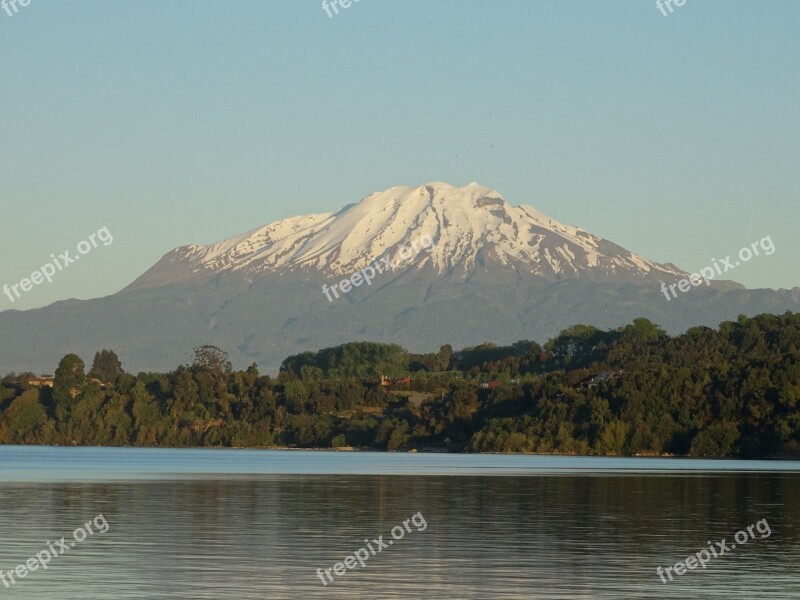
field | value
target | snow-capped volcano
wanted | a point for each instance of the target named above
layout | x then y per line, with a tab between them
471	227
496	272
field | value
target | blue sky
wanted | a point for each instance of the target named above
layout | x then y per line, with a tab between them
184	122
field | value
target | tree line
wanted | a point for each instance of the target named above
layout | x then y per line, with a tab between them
732	391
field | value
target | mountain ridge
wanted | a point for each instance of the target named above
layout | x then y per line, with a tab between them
497	273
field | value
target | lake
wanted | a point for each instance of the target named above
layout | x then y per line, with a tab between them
241	524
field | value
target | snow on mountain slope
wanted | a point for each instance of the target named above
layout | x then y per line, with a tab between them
470	226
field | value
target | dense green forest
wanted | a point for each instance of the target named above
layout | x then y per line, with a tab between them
726	392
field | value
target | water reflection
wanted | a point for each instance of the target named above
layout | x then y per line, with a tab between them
545	536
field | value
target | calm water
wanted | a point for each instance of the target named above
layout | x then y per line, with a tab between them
221	524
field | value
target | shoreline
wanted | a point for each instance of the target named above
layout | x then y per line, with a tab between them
351	449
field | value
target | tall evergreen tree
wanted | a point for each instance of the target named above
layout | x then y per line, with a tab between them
106	366
67	383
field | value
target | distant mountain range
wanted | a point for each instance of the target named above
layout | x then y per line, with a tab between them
461	266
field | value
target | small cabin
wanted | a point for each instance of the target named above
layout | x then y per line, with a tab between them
43	381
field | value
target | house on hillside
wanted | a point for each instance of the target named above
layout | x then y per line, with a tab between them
393	382
593	382
100	384
43	381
